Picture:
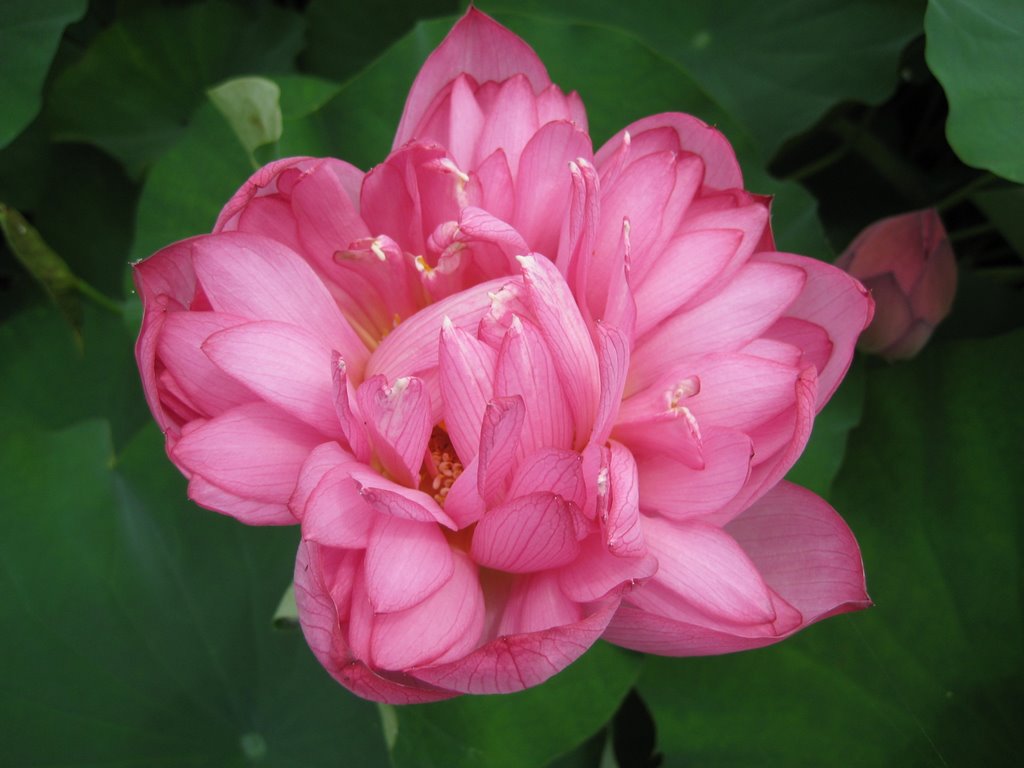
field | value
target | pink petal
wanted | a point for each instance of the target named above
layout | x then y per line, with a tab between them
702	571
477	46
393	499
525	368
320	625
515	662
758	295
207	388
723	171
741	391
254	451
499	443
526	534
466	369
836	302
565	334
444	626
491	186
509	121
556	471
347	410
285	365
536	603
464	504
320	461
328	218
649	632
804	551
258	278
268	180
688	263
621	523
335	514
613	351
678	491
398	420
248	510
596	572
403	351
406	562
543	184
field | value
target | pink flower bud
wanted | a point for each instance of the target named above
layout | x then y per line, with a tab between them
908	265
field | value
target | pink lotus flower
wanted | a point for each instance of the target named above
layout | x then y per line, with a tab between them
907	263
517	394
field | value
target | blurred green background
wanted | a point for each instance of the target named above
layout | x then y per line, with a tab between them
136	628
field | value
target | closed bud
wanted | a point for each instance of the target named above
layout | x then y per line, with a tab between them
908	265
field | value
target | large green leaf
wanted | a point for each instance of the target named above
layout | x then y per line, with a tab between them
933	675
976	50
137	629
519	730
136	86
29	34
344	37
777	67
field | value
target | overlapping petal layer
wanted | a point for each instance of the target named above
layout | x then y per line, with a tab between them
518	395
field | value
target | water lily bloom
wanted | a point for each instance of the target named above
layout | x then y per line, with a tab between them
518	395
907	263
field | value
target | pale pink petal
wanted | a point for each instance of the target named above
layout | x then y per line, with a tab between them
756	298
284	364
253	451
335	514
320	461
596	572
444	626
804	551
515	662
327	218
499	443
702	571
836	302
246	509
403	353
689	262
258	278
477	46
649	632
741	391
529	533
543	184
536	603
767	472
397	418
207	388
406	562
678	491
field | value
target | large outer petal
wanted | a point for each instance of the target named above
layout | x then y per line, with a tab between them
833	300
477	46
807	557
318	616
515	662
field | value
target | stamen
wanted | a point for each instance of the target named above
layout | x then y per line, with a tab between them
442	466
